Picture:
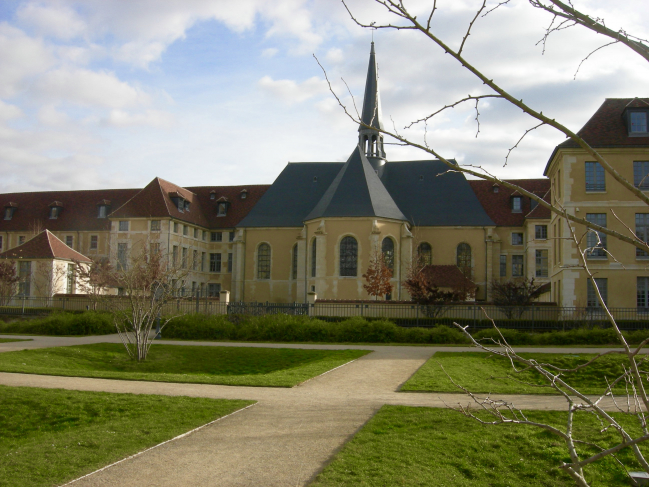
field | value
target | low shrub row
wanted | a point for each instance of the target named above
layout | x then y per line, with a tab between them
63	323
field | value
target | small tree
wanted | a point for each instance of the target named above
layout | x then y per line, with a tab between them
513	296
9	280
378	277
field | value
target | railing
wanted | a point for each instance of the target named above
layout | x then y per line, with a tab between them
535	318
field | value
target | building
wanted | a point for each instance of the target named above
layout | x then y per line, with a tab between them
618	131
315	229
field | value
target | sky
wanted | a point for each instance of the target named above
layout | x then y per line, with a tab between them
108	94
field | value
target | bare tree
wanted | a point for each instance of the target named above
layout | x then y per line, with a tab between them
634	402
9	280
514	295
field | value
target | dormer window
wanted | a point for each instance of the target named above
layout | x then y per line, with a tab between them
517	204
9	211
495	188
212	195
102	208
222	209
178	203
244	194
186	205
55	209
637	121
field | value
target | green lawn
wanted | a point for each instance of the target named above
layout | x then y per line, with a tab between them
482	372
277	367
406	446
51	436
7	340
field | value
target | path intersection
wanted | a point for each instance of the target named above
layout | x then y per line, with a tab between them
287	437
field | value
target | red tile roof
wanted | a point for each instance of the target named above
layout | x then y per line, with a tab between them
498	205
447	276
238	207
79	211
540	212
45	245
606	128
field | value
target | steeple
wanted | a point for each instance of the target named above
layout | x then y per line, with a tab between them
370	139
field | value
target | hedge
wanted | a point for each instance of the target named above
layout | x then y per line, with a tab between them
63	323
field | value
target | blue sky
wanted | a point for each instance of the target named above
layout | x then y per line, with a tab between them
98	94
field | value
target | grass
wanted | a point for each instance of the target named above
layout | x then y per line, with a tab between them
275	367
7	340
407	446
51	436
483	373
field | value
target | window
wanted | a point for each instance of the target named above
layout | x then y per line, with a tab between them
69	288
54	212
0	242
122	250
503	265
93	242
213	290
425	253
186	205
638	122
24	273
541	232
183	262
203	257
196	233
9	212
123	226
641	174
314	248
193	288
175	227
102	211
517	204
642	231
387	248
231	236
222	209
263	261
155	248
244	194
204	235
230	262
596	241
643	294
195	260
495	188
595	179
212	195
185	230
21	239
155	225
217	237
591	295
69	241
293	262
215	262
348	257
517	238
174	255
541	263
463	261
517	266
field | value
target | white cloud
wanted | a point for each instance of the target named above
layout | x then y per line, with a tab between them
152	118
89	88
334	55
9	112
59	21
270	52
291	91
49	115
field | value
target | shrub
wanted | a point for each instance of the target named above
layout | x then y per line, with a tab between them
86	323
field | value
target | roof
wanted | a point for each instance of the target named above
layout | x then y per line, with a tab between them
540	212
79	209
606	128
237	209
447	276
371	114
498	205
429	195
356	191
45	245
293	195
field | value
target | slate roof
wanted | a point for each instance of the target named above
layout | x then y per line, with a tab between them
371	114
428	195
498	205
606	128
356	191
45	245
293	195
79	211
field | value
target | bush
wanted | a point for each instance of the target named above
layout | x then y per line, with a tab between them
86	323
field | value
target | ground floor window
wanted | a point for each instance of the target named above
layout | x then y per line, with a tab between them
643	294
25	274
541	263
213	290
517	266
591	295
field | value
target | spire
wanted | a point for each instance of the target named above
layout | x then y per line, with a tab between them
370	139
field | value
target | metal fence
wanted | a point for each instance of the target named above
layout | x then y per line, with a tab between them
537	318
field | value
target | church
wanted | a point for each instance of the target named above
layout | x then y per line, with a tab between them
315	229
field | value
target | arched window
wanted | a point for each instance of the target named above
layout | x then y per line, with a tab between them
313	257
464	258
263	261
294	262
425	253
387	248
348	257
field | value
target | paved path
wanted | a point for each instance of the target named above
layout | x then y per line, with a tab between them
286	438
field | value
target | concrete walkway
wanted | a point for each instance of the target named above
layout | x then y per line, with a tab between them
287	437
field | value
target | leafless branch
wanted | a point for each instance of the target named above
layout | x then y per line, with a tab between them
519	141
